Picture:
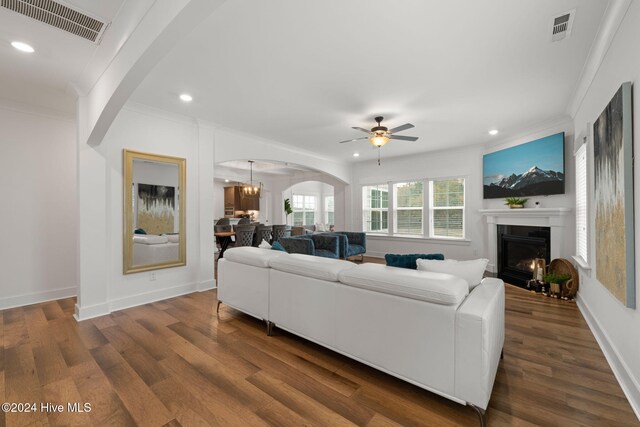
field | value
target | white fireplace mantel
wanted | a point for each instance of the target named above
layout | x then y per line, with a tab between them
554	218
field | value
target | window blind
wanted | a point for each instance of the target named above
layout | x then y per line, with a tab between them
447	208
581	203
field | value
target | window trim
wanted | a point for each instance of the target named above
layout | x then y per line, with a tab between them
304	210
426	211
584	264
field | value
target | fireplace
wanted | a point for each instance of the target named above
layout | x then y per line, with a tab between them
518	246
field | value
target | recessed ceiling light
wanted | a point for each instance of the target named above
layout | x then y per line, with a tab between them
186	97
356	154
493	132
23	47
226	180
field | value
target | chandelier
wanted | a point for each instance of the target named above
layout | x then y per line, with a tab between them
251	191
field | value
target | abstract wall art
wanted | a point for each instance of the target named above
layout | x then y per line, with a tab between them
156	208
613	164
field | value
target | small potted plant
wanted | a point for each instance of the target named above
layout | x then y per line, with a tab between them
555	283
515	202
287	209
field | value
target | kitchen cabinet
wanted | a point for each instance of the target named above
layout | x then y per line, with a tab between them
233	202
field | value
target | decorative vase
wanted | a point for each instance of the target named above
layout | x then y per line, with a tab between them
516	206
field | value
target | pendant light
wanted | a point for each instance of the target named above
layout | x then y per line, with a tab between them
251	191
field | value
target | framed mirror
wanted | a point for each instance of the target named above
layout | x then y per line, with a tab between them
154	212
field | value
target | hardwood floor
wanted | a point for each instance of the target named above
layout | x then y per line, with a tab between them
175	363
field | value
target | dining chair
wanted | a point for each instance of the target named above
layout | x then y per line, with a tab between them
280	231
263	232
244	235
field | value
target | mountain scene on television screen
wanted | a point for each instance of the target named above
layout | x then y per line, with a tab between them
534	182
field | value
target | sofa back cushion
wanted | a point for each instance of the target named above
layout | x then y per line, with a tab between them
471	271
409	260
312	266
252	256
421	285
150	239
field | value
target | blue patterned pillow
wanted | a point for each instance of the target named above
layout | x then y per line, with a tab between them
409	260
277	246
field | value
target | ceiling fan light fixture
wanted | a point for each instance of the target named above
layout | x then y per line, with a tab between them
379	140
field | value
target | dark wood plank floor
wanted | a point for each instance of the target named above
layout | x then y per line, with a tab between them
175	363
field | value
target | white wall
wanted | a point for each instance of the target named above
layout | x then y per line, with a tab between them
616	327
148	130
38	249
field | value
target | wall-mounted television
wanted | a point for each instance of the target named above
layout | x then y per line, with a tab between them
535	168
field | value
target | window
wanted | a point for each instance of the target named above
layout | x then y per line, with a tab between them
328	210
304	209
408	203
581	203
375	208
447	208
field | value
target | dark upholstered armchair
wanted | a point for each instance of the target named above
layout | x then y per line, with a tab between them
350	243
357	242
323	245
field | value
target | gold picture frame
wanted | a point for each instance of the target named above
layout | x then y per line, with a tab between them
154	192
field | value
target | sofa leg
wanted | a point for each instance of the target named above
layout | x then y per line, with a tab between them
270	326
218	307
482	414
502	354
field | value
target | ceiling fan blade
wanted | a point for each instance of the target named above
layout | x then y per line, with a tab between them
401	128
404	138
361	129
355	139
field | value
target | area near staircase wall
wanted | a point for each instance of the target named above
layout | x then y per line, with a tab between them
38	253
615	326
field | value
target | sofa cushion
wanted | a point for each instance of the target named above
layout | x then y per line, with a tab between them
312	266
355	249
150	239
471	271
277	246
408	260
252	256
421	285
173	238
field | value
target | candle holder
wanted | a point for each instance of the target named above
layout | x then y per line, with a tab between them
539	269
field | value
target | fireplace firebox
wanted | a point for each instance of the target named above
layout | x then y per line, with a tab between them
518	246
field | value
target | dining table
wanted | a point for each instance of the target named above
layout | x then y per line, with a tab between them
225	239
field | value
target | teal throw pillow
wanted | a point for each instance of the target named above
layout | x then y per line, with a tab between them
139	231
277	246
409	260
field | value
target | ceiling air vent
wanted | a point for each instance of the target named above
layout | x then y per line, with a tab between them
59	16
561	26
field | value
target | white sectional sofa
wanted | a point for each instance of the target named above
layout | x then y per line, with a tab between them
425	328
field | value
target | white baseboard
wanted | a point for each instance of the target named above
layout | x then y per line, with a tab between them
628	383
147	297
207	285
89	312
37	297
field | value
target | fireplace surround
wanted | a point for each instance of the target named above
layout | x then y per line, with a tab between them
557	219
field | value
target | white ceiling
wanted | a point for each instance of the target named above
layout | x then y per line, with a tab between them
303	72
61	60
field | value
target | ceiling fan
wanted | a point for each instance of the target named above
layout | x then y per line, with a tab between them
379	135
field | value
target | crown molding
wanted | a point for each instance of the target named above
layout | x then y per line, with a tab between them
613	16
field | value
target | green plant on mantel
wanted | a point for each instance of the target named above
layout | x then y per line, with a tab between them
556	278
515	201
